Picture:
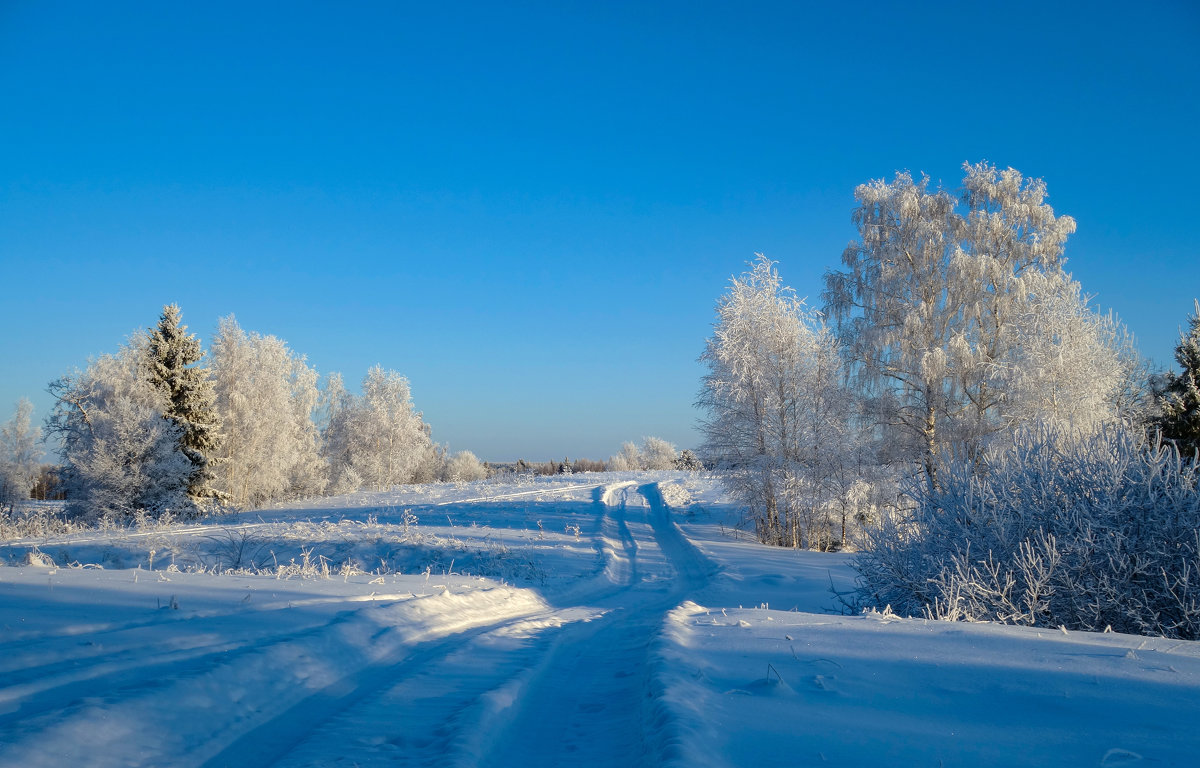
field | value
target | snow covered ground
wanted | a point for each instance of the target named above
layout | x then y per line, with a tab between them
611	619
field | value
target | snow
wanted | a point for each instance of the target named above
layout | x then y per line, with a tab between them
599	619
784	688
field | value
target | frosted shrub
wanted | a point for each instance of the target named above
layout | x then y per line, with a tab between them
376	440
1089	533
658	453
36	519
629	459
464	467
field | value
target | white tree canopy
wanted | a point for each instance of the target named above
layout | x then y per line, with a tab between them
20	455
121	457
378	439
777	415
955	321
265	395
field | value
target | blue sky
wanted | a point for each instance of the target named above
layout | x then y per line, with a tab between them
529	209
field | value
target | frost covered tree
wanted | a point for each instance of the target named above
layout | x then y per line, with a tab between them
20	456
688	461
378	439
654	453
391	441
335	425
1069	366
464	467
265	398
121	457
896	309
945	315
658	453
1180	398
628	459
777	416
172	358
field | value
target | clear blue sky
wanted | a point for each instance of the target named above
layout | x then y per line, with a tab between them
529	209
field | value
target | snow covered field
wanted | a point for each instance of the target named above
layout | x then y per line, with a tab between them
606	619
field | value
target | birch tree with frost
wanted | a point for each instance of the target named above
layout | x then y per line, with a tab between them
265	396
20	456
777	416
956	324
378	439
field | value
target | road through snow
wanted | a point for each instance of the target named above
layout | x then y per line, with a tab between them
589	701
491	676
566	686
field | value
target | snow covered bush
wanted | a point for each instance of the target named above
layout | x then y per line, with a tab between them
628	459
658	453
654	453
1088	533
464	467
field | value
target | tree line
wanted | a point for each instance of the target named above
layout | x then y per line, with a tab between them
653	454
161	427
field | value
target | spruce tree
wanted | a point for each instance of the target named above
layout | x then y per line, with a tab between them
688	461
1180	400
172	368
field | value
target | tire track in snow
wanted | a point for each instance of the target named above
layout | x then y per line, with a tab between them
621	566
441	712
423	708
430	707
548	687
590	703
61	685
239	690
400	710
443	706
139	641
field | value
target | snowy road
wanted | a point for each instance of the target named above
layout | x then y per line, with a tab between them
559	687
590	700
497	677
